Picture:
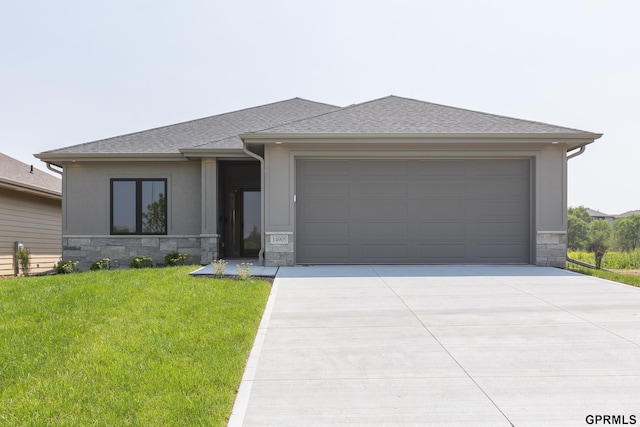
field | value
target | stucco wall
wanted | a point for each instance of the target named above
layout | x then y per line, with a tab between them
548	192
86	193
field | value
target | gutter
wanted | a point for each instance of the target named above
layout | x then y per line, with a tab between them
59	172
571	156
262	220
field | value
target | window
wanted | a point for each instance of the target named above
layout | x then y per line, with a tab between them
138	206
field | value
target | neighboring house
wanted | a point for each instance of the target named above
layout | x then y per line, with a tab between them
594	215
30	213
390	181
628	213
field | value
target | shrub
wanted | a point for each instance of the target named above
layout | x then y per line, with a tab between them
244	270
67	267
174	258
219	267
141	262
24	260
103	264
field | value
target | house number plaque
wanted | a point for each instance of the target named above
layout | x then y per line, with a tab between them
279	239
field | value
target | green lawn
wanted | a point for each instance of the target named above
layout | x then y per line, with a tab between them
124	347
616	277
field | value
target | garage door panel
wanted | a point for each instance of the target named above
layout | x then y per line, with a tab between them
440	208
499	190
500	168
517	230
441	252
384	230
388	190
317	209
497	252
326	251
493	209
445	168
380	209
332	168
413	211
325	228
380	167
330	190
441	228
441	189
384	252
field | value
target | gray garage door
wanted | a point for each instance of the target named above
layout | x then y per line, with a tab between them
412	211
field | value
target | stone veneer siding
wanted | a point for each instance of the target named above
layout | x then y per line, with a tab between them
122	249
278	255
551	248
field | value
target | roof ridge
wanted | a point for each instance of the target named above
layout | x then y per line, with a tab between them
186	122
339	109
279	124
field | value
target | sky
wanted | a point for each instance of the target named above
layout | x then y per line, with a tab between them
74	71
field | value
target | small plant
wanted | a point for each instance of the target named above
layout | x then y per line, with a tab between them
67	267
219	267
103	264
174	258
24	260
141	262
244	270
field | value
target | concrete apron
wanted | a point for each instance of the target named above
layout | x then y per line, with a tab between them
436	345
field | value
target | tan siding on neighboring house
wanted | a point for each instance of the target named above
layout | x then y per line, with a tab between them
34	221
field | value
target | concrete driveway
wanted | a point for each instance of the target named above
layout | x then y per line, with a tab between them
443	345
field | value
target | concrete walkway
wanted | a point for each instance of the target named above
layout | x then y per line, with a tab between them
442	345
231	269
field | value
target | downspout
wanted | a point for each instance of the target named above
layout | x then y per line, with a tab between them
571	156
52	169
262	220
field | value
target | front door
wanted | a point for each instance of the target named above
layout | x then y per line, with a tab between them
239	208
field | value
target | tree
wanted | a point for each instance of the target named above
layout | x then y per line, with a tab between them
577	233
580	212
154	220
627	232
600	237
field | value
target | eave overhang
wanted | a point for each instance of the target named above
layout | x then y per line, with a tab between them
57	158
29	189
569	140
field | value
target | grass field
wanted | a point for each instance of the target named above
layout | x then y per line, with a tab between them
124	347
629	279
612	260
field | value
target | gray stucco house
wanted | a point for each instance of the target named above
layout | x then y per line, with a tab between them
389	181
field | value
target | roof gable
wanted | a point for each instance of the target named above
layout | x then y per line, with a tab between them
397	115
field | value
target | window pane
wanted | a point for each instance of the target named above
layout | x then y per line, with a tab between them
251	220
154	210
124	207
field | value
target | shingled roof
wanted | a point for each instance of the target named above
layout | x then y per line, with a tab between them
21	176
220	131
398	115
390	115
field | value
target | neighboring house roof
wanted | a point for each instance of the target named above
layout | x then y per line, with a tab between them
223	128
293	118
597	214
628	213
23	177
398	115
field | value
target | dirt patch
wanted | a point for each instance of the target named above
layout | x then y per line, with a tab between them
628	272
